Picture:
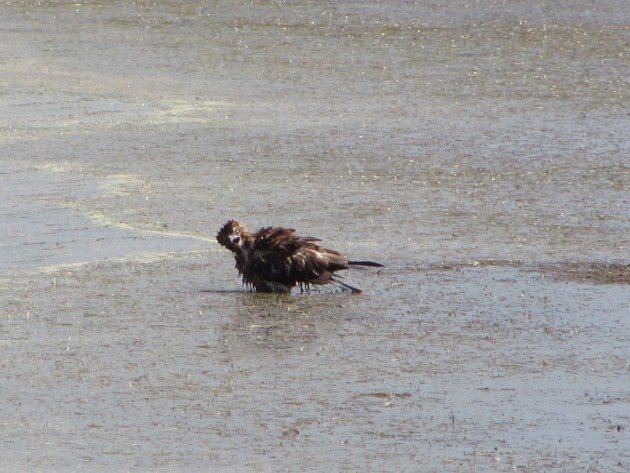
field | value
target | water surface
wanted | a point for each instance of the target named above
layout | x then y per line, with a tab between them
479	151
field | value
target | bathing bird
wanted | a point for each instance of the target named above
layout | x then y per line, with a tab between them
275	259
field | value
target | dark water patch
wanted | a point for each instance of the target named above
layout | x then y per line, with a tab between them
588	272
480	263
584	272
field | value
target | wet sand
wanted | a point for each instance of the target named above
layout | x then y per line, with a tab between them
479	151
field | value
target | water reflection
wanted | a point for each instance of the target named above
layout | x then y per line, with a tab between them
282	322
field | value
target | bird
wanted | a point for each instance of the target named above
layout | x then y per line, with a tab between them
275	259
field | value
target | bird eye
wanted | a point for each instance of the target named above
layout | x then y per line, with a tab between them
236	231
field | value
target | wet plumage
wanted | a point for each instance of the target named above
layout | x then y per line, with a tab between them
275	259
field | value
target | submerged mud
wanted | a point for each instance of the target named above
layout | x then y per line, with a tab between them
479	151
585	272
595	273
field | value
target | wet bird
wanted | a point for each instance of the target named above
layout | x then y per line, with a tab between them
275	259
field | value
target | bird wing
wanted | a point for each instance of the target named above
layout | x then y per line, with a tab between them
280	255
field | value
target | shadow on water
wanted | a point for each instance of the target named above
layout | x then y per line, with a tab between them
222	291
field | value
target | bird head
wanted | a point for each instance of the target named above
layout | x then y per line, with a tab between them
232	235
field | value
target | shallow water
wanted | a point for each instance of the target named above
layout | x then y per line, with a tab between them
480	151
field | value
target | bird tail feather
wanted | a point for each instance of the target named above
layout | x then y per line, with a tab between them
365	263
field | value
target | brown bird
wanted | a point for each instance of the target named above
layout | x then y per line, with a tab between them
275	259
